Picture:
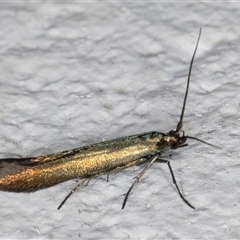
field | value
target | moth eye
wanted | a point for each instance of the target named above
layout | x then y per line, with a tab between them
174	146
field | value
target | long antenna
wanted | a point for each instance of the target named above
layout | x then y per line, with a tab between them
179	125
197	139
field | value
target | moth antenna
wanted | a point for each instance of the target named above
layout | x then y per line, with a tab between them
180	123
197	139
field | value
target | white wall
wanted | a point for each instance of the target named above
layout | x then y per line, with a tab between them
74	74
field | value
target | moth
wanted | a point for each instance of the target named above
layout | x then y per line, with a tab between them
34	173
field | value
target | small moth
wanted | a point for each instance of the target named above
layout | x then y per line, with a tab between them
34	173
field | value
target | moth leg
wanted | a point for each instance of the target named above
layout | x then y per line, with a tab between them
154	158
86	180
175	182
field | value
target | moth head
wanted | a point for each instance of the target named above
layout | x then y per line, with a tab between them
174	140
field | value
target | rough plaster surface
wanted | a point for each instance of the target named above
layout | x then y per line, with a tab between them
74	74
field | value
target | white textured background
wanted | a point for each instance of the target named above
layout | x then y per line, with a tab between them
74	74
